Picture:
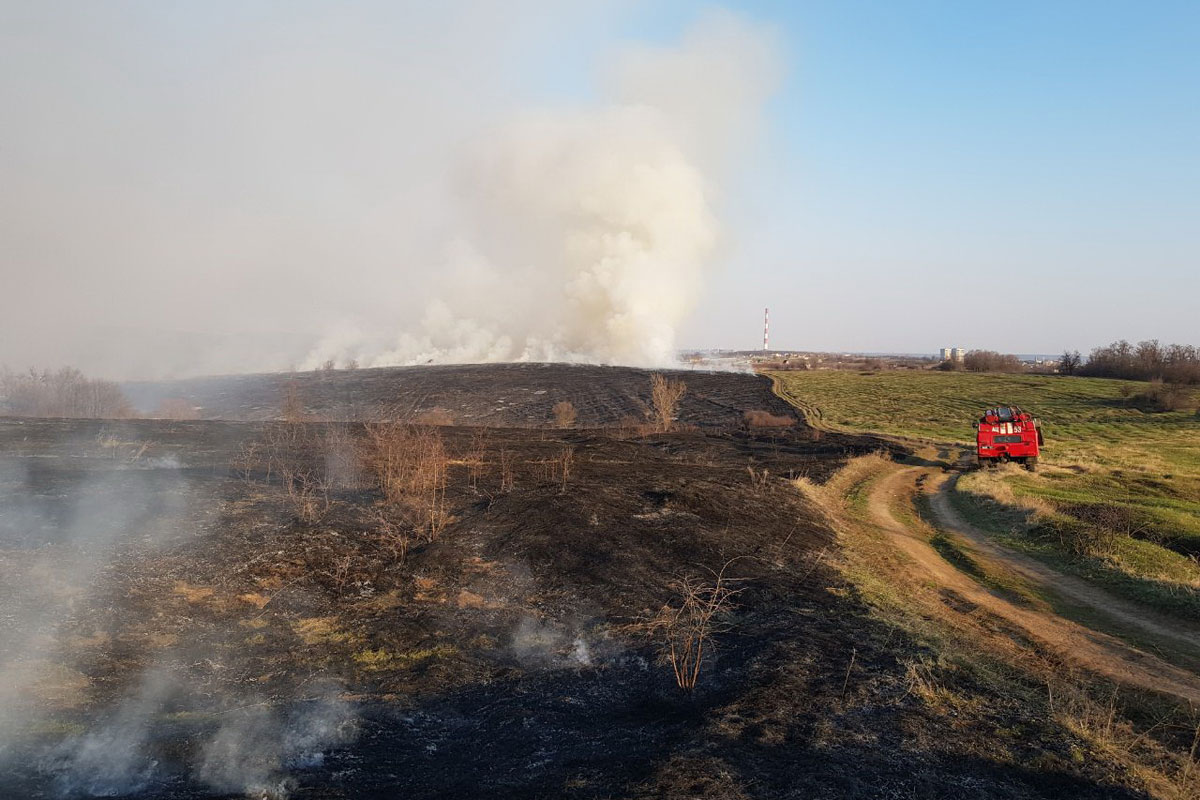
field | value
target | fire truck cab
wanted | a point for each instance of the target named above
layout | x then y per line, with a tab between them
1007	433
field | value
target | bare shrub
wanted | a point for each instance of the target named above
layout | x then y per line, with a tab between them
1162	396
564	414
665	396
564	466
475	458
411	467
309	460
291	407
340	452
684	628
393	535
507	474
765	419
759	478
308	489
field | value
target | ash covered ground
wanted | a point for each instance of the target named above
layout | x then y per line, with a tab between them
183	615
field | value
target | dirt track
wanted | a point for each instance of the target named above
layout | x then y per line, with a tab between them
1093	650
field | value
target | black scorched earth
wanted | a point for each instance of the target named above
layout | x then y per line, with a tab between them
414	583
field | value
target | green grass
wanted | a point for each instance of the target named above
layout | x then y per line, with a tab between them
1085	420
1136	570
1104	459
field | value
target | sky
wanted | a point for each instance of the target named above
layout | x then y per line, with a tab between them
206	187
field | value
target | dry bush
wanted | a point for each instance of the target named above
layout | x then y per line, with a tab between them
309	460
765	419
475	458
394	535
309	492
411	467
293	452
759	478
340	452
665	397
564	465
685	628
1161	396
291	407
507	473
564	414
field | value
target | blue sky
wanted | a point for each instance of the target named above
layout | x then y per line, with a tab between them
1018	176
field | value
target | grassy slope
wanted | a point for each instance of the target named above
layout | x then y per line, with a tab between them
1107	454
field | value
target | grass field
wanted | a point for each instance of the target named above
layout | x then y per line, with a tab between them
1119	493
1085	419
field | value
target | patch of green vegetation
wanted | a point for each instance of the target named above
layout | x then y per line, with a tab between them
1118	501
957	553
1085	419
1164	509
382	658
1137	571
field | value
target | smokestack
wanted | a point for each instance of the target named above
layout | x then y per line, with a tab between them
766	328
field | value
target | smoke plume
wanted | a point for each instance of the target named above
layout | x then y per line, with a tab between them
254	188
589	232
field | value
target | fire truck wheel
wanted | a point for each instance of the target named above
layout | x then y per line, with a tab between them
1031	464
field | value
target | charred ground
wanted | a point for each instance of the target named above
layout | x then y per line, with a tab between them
165	567
505	395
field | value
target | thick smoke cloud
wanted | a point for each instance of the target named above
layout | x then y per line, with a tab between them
229	187
590	232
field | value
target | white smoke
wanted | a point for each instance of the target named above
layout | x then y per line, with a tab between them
588	234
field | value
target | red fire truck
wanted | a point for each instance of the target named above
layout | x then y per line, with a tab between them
1007	433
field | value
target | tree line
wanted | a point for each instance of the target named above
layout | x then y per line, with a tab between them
1144	361
65	393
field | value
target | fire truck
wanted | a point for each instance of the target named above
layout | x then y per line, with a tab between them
1007	433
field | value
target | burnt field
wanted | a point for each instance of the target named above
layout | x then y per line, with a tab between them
333	609
478	394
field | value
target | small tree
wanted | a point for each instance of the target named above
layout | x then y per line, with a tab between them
665	394
685	629
564	414
1070	362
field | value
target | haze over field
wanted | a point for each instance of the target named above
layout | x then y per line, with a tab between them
198	188
359	184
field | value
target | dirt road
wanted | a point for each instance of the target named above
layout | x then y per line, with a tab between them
1096	651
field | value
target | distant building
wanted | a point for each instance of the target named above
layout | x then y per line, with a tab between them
953	354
